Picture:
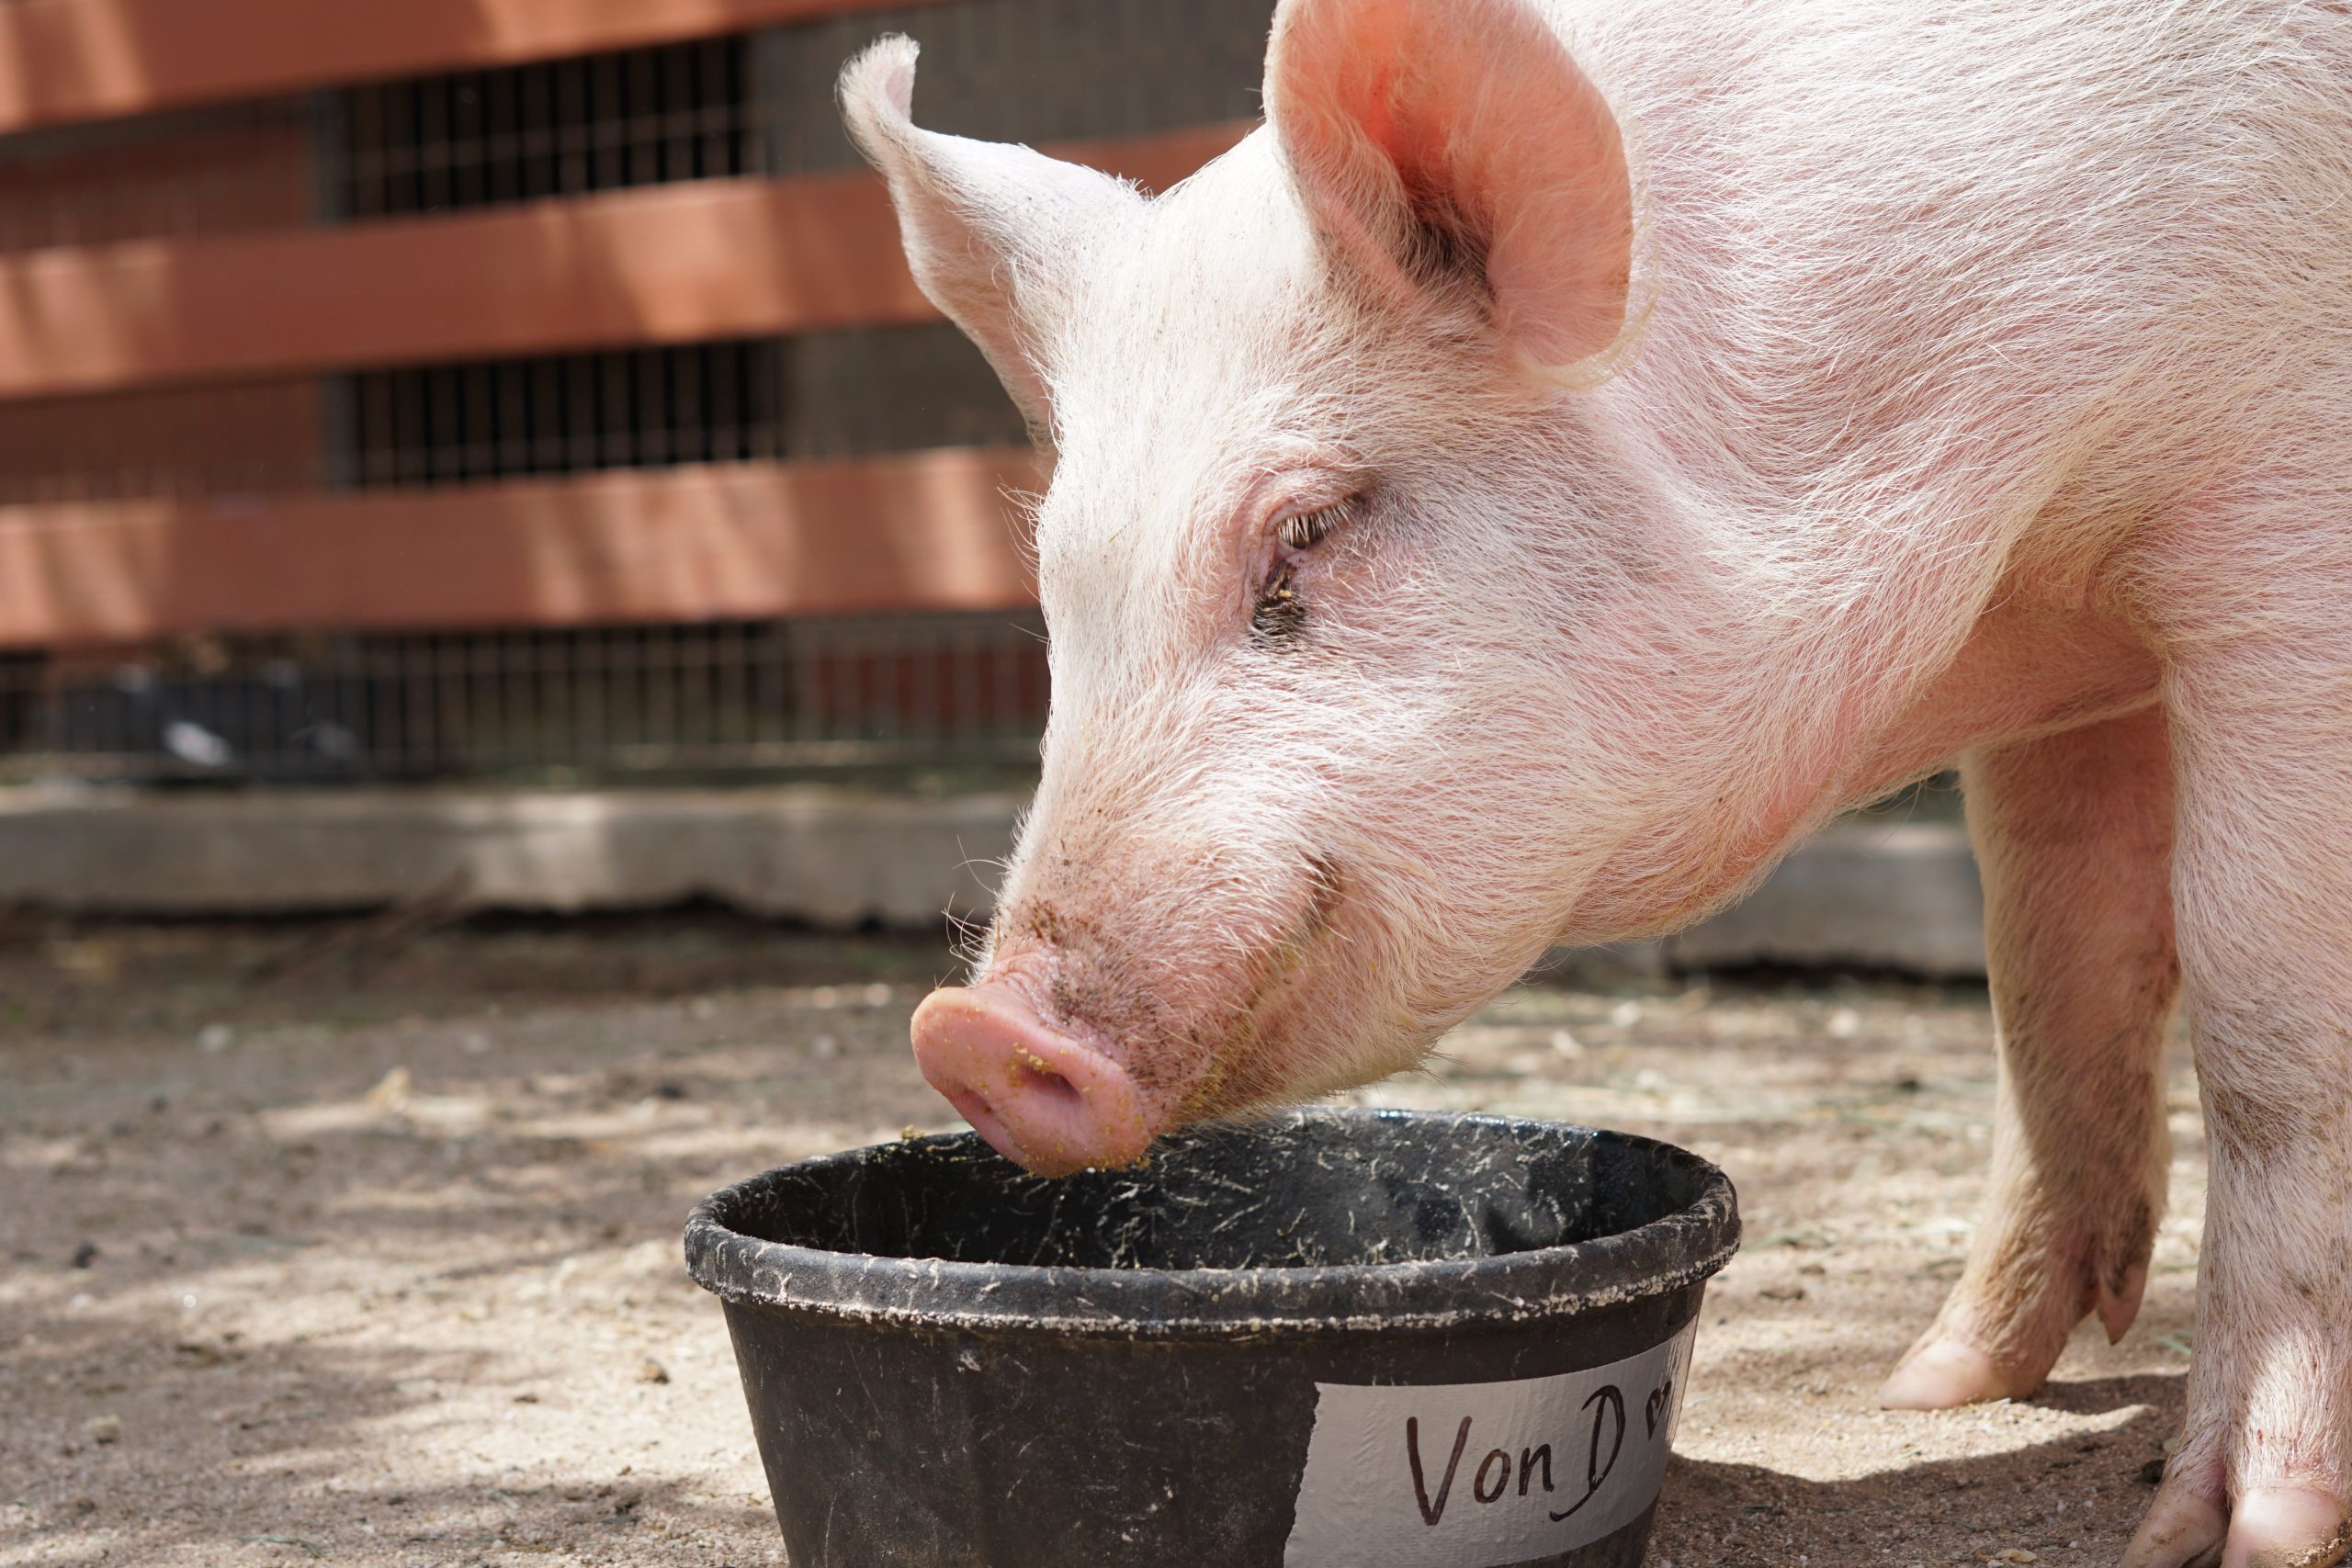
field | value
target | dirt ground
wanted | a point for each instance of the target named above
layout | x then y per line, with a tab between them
353	1245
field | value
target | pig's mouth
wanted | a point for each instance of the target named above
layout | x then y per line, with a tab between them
1241	1069
1056	1093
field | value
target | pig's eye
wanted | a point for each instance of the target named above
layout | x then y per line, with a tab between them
1280	611
1303	528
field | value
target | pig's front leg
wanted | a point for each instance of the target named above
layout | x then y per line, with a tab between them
2074	833
2263	733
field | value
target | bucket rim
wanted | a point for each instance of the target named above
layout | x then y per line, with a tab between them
1662	1256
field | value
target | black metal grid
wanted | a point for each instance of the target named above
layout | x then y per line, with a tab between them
239	169
717	697
564	413
554	129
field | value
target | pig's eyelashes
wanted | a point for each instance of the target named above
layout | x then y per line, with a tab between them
1279	610
1303	528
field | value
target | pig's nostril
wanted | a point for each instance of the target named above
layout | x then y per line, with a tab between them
1051	1102
972	1106
1030	1076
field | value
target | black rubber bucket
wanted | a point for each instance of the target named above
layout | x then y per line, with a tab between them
1329	1339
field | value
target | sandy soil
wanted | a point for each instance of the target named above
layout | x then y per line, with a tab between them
354	1246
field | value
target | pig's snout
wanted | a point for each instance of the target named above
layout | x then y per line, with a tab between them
1054	1103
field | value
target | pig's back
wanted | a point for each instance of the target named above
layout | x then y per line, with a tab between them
1864	228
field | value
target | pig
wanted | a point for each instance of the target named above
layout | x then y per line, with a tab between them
1573	450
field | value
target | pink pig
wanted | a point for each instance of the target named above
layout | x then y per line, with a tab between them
1575	449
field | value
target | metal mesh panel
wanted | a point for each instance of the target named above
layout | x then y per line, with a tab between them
560	128
728	695
709	402
1027	71
831	394
236	439
20	684
892	389
834	394
210	172
554	129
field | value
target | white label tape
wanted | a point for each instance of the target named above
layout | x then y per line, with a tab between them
1486	1475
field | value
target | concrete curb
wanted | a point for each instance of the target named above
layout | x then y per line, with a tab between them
1862	894
831	857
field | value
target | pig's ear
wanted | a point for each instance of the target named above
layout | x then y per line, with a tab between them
989	228
1454	144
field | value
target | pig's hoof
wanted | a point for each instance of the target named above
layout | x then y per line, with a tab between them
2183	1529
1943	1373
2287	1528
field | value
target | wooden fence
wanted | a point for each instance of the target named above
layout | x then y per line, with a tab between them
660	263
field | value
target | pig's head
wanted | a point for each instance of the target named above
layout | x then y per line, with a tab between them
1346	628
